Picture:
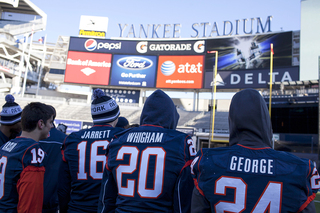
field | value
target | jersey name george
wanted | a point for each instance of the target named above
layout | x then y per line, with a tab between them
262	166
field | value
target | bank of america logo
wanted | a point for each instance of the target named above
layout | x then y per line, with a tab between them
88	71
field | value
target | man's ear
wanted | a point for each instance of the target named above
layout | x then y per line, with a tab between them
40	124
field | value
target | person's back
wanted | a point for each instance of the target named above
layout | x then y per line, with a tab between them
84	152
17	154
148	166
250	176
255	180
52	146
84	158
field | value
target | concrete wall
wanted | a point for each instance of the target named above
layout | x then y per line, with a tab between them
187	104
309	39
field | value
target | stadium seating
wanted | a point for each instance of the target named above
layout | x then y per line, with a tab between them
79	110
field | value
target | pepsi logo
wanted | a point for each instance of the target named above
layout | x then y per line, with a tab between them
90	44
168	68
134	63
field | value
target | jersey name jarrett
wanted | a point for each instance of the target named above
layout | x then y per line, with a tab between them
95	134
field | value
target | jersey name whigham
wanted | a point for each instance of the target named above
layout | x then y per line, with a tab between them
145	137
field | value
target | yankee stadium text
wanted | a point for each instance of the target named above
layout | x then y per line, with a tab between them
253	166
145	137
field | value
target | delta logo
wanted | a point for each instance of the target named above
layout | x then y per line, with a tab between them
90	44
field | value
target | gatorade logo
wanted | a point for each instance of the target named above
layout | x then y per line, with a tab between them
199	47
142	47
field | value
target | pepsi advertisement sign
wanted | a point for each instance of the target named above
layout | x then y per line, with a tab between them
101	45
171	47
133	71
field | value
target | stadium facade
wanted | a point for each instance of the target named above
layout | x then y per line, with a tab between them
127	69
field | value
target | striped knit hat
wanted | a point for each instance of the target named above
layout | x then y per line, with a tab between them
11	112
103	108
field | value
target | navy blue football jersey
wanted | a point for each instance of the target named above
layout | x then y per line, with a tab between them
148	170
81	172
3	138
16	156
52	147
242	179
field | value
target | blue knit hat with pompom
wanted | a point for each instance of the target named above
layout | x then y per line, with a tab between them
11	111
103	108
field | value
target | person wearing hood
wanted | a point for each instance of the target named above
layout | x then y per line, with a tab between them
250	176
148	166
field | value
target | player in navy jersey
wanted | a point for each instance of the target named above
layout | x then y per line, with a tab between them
84	158
22	162
52	147
148	167
250	176
10	120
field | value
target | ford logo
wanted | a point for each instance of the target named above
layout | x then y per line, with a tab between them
134	63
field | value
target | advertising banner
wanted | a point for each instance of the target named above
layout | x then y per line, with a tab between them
250	52
171	47
180	72
88	68
133	71
241	79
122	95
73	126
102	45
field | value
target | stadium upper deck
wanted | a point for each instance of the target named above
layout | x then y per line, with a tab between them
18	22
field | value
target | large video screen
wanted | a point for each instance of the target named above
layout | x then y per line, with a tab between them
250	52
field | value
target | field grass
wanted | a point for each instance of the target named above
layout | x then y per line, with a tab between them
317	202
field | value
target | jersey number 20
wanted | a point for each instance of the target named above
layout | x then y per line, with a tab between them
142	190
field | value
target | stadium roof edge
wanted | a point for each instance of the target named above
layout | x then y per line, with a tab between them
37	10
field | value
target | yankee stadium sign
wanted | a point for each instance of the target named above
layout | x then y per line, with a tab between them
203	29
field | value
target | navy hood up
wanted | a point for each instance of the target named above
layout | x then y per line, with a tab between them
249	120
159	110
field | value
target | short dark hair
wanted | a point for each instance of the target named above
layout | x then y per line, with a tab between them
34	112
